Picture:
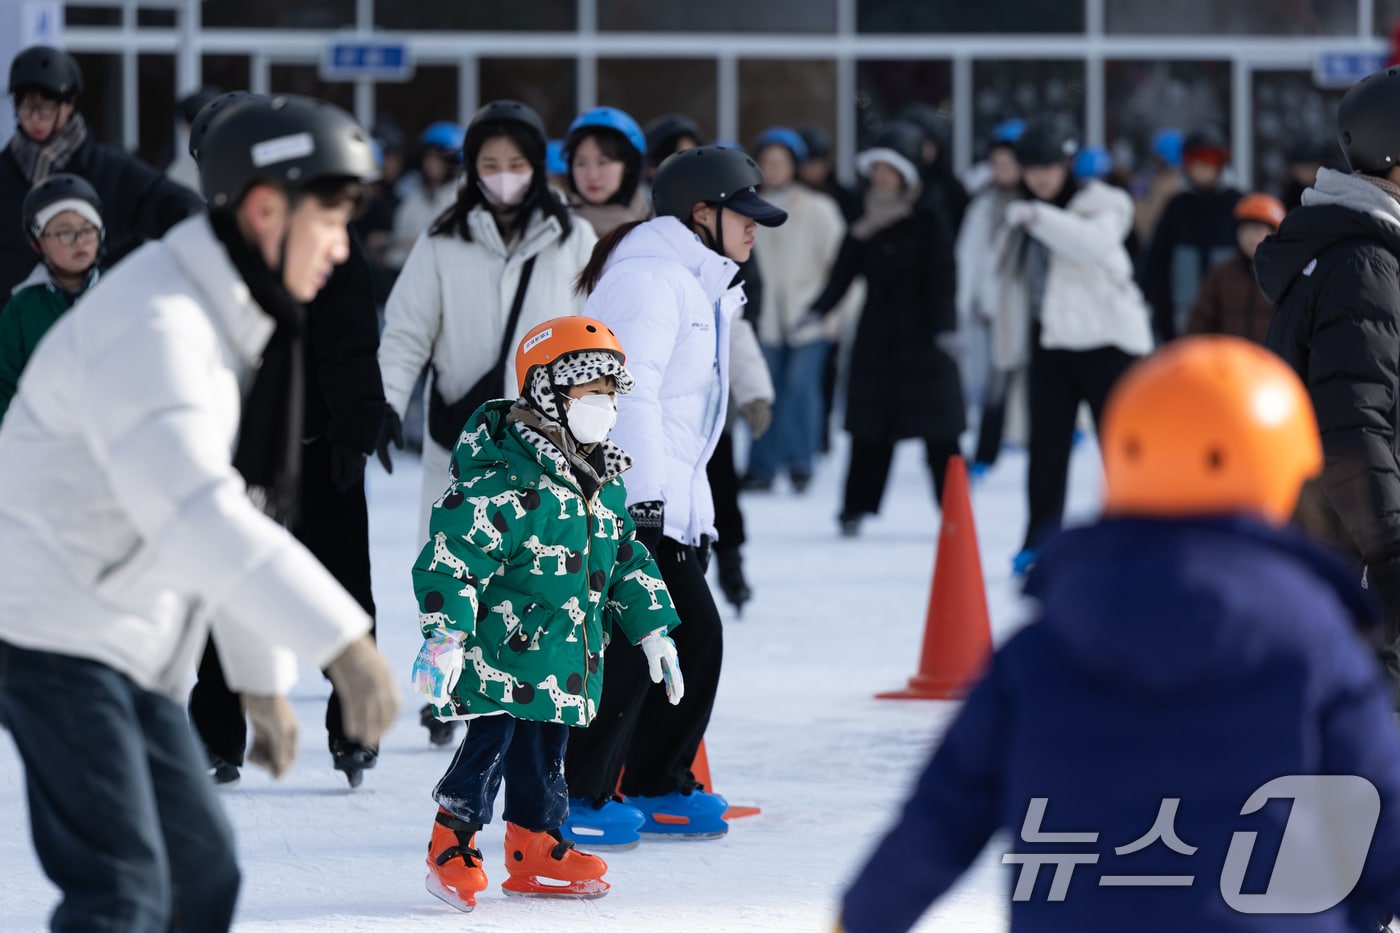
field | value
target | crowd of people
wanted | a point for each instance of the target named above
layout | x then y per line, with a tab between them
570	332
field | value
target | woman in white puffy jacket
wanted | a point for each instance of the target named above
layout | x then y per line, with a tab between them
1069	308
451	305
665	288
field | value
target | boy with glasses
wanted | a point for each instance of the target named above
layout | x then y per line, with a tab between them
62	217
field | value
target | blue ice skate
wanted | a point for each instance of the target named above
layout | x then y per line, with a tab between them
614	825
697	815
1022	563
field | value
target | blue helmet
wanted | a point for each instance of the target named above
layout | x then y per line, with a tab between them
1008	132
1093	162
1168	145
612	119
444	134
782	136
554	161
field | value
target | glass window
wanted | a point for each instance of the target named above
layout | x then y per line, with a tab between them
648	87
784	92
1387	16
156	104
512	16
791	16
1290	110
412	105
92	16
279	14
101	102
1144	97
306	79
227	72
547	84
1006	89
161	18
1236	17
883	88
1010	16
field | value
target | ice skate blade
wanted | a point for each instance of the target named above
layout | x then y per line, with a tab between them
583	842
448	896
681	836
532	886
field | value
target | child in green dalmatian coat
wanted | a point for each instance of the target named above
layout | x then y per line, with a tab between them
532	566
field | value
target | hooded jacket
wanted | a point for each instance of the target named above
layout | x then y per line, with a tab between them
1333	272
37	303
667	297
1195	660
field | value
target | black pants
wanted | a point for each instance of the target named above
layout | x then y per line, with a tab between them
636	727
869	471
1059	381
334	526
992	425
724	487
528	755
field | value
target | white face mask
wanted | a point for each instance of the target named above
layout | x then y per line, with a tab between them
591	417
507	188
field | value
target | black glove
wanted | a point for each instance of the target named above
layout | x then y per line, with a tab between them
650	518
347	467
390	431
702	553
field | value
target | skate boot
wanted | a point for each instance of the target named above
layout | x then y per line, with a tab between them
731	577
696	815
455	875
353	760
439	732
609	825
547	865
223	772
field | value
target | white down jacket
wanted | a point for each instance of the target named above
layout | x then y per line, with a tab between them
667	297
1091	299
123	525
450	305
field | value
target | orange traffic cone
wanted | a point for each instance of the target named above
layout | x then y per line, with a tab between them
957	633
700	767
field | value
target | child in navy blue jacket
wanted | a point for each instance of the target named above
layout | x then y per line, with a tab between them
1153	742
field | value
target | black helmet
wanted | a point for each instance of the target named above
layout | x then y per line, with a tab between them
818	141
1045	142
714	175
663	132
1205	138
62	186
928	118
287	139
1368	122
47	69
509	111
190	105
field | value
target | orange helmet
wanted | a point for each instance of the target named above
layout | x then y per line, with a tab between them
559	336
1260	208
1210	424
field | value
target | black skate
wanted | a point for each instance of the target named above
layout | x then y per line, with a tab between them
731	577
223	772
354	760
439	732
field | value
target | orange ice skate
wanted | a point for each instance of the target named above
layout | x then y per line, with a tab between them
547	865
454	864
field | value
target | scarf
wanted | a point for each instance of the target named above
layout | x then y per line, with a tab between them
1388	187
38	161
268	454
884	209
604	218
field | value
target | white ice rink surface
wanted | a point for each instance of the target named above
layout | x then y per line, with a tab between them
795	731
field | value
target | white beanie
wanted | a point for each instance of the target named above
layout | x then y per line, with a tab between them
78	206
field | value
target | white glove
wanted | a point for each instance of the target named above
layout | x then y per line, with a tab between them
1020	213
438	666
663	663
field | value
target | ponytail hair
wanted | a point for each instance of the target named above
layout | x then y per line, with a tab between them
593	271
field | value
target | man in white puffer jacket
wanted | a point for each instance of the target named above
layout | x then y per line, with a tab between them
147	422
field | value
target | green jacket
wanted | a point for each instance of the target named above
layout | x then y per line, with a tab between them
26	317
535	573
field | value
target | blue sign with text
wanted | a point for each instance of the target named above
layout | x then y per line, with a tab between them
380	61
1343	69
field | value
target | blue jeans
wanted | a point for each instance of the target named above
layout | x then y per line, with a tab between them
124	817
796	433
528	754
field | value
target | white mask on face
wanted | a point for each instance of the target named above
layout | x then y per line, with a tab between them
507	188
591	417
